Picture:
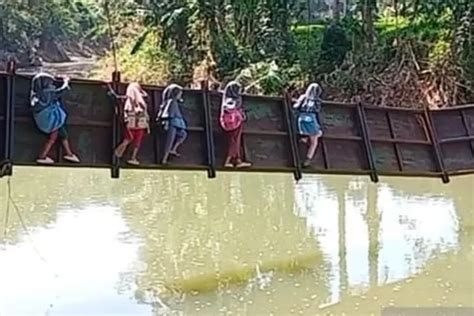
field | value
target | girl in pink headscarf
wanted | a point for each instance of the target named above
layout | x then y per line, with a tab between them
137	121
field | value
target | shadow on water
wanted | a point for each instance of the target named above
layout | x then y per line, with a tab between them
123	242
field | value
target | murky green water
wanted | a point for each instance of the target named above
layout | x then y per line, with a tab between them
79	243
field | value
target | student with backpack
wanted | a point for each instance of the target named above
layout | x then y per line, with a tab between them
232	117
172	120
309	128
49	114
136	119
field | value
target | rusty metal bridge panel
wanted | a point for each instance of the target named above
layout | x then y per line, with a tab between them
455	131
358	138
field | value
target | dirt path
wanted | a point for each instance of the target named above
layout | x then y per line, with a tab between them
78	67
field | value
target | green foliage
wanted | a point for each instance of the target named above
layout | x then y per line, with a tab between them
28	25
334	47
152	63
263	43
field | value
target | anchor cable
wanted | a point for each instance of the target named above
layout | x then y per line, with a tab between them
7	215
22	223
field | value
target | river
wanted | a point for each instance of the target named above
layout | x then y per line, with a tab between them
161	243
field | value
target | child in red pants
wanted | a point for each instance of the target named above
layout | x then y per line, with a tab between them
137	122
232	119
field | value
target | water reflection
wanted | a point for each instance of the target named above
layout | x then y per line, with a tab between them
116	246
392	236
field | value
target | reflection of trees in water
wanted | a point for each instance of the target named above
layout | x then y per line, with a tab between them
190	225
459	190
362	194
41	193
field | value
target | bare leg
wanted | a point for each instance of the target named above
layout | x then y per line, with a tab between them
46	149
313	145
134	153
119	151
165	158
170	140
48	145
137	142
67	147
180	140
227	162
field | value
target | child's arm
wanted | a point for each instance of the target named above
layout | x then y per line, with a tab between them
297	102
64	87
114	94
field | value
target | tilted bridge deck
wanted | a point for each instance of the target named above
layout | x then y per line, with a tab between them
358	139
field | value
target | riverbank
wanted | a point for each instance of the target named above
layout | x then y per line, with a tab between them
76	67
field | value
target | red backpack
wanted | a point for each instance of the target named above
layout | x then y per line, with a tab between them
231	119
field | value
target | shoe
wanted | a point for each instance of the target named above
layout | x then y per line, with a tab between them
243	164
117	154
229	165
307	163
45	161
174	153
133	162
72	158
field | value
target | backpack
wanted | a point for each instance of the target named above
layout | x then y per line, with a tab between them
231	117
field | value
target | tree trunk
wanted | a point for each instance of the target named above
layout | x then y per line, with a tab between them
336	9
368	9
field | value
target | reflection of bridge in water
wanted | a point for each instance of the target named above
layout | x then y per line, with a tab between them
358	139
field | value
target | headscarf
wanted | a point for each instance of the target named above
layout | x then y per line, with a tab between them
43	89
135	98
169	95
311	100
232	97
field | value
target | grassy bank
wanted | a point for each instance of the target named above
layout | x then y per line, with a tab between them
411	62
